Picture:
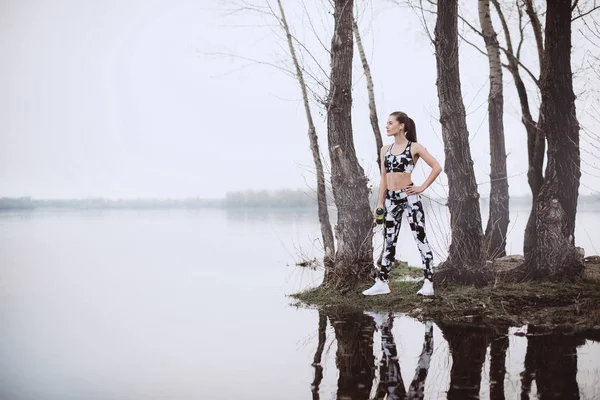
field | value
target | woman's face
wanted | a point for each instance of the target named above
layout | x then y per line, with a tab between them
393	127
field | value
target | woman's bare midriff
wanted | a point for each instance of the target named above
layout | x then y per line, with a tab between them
398	180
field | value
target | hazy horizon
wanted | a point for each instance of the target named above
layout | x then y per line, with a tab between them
272	191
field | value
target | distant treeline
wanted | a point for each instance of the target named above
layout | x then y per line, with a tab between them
284	198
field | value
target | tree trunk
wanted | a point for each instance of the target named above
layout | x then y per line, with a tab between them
536	141
370	86
536	146
556	205
354	256
497	225
372	112
466	248
326	231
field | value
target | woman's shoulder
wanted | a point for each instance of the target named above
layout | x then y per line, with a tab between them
417	149
416	146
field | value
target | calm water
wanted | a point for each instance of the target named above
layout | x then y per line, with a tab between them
192	305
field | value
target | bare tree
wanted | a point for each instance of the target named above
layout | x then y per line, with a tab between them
371	92
326	231
549	235
466	248
536	144
536	141
497	225
354	255
555	207
352	261
494	240
372	109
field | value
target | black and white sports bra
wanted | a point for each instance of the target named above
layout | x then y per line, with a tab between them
402	162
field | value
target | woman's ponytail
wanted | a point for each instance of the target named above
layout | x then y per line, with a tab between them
411	132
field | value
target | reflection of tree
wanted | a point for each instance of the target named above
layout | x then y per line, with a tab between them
318	354
498	366
551	361
417	387
354	356
468	345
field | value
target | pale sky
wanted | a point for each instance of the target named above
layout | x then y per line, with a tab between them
121	99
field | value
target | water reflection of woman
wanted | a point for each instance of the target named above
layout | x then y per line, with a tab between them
391	385
398	194
417	387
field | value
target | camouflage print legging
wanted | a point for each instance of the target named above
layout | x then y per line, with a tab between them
396	202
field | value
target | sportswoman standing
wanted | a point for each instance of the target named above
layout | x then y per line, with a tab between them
398	194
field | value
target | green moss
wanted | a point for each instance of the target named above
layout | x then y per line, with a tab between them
401	270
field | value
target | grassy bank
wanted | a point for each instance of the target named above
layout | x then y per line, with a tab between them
545	304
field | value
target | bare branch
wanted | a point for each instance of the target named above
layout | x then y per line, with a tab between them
472	44
470	26
314	30
514	68
299	43
508	51
424	21
509	55
595	31
254	61
521	31
585	13
318	81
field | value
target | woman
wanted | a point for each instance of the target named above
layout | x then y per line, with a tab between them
398	194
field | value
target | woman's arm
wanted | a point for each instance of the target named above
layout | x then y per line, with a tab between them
383	182
436	169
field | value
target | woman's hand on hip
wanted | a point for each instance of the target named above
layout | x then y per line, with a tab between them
415	189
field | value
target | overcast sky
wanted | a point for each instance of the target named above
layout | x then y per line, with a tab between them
121	99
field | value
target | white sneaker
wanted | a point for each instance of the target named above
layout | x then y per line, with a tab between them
427	289
380	287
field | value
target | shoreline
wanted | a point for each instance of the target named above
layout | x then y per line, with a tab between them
569	307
